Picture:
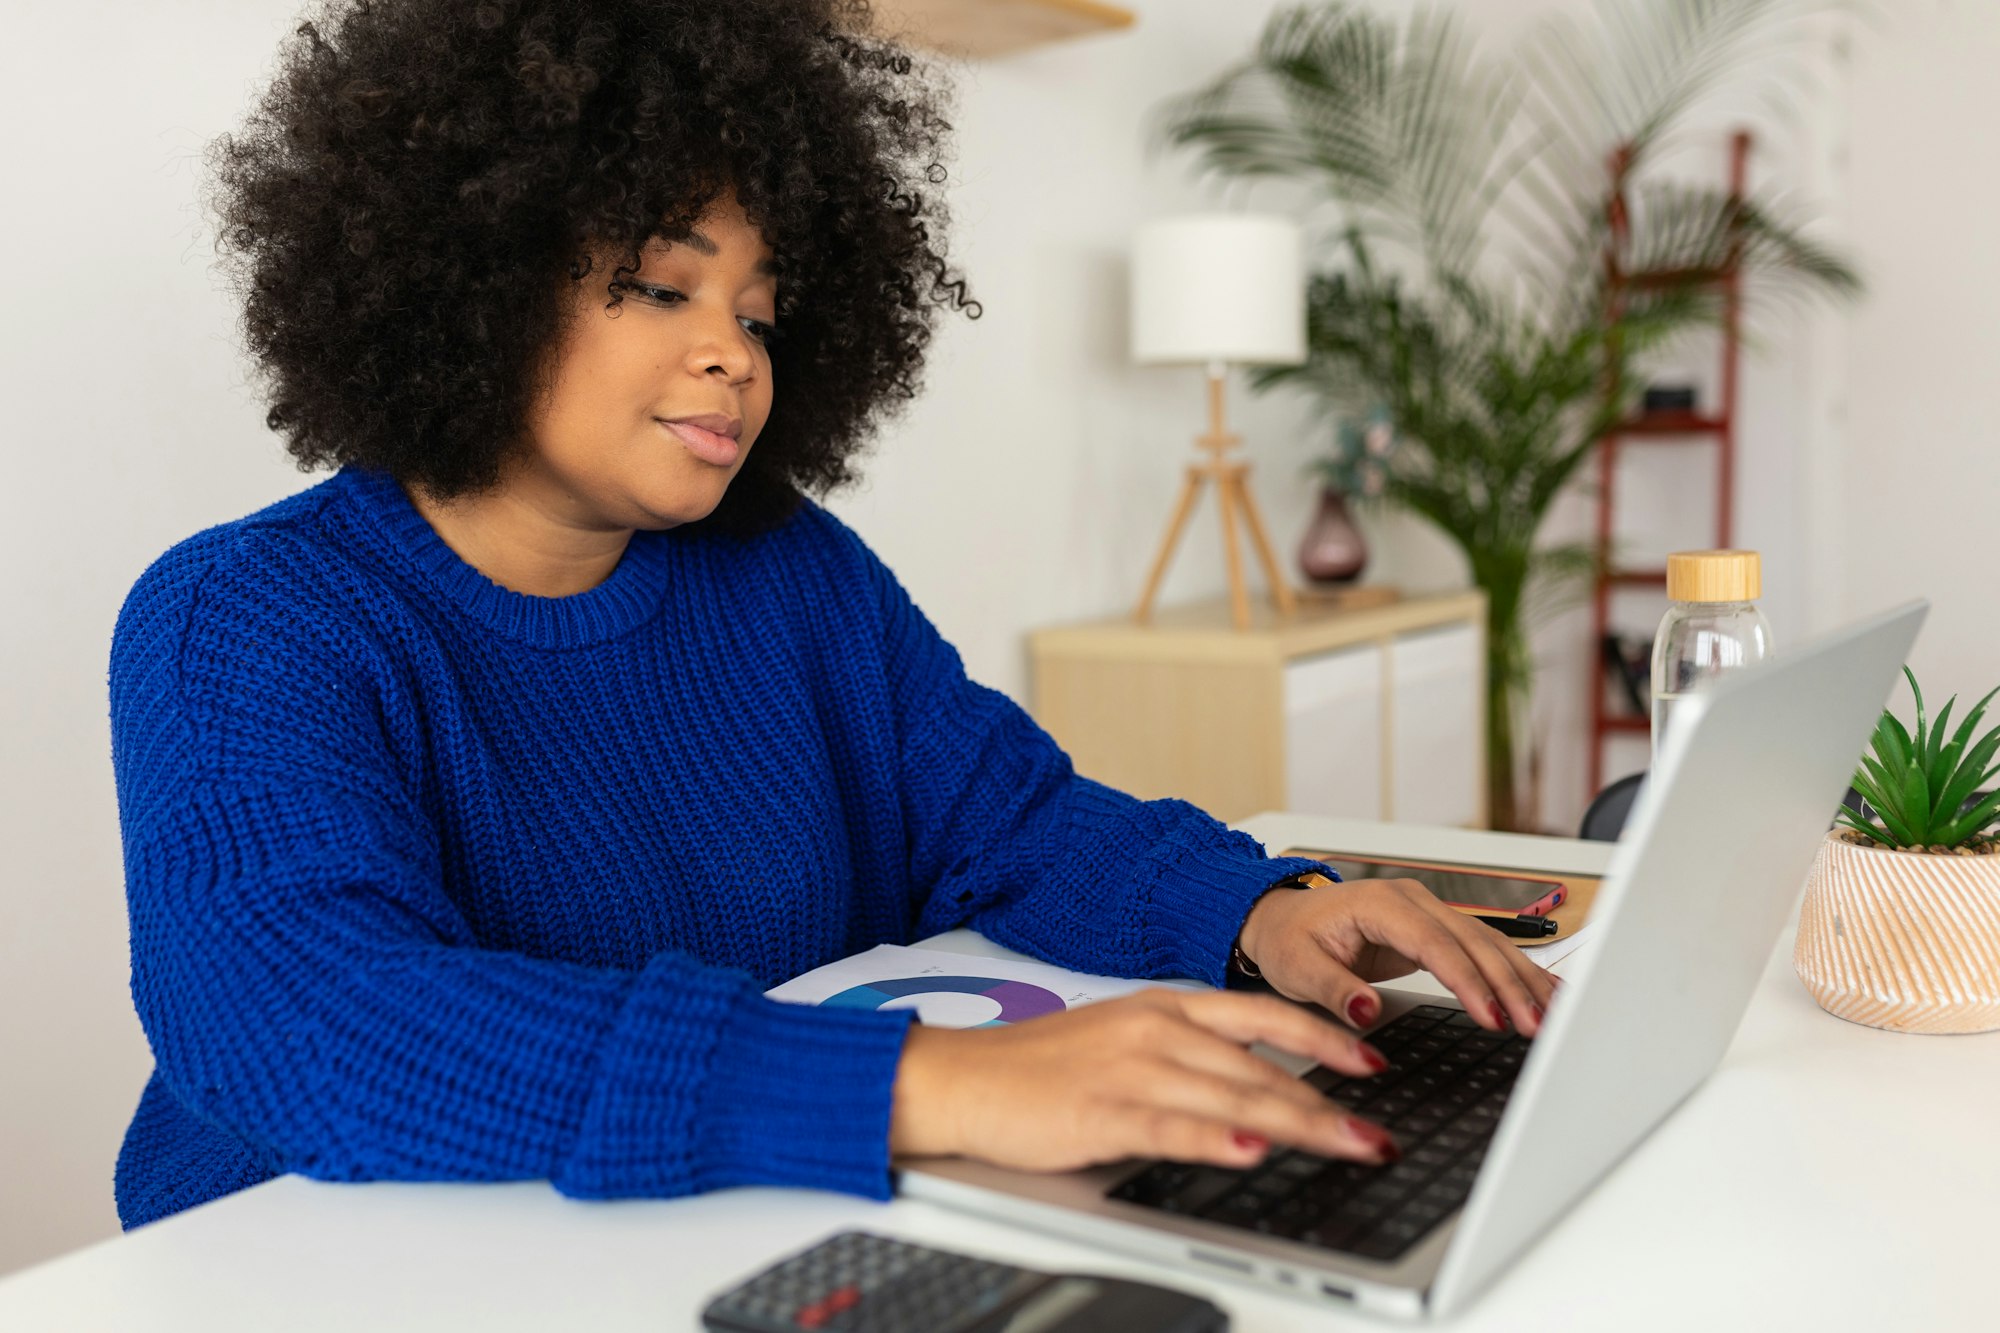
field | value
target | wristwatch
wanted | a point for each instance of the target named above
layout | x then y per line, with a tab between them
1239	962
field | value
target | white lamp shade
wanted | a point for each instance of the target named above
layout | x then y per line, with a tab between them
1219	287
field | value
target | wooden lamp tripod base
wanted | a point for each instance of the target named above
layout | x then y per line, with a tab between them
1233	495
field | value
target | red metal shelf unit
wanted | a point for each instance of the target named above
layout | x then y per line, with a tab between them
1683	427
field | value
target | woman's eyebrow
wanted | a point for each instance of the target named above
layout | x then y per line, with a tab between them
702	245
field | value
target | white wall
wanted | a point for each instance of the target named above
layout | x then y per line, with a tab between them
1030	485
1915	512
126	429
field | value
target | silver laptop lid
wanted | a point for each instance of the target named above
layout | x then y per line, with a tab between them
1698	891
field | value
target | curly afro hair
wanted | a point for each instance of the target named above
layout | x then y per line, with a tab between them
406	207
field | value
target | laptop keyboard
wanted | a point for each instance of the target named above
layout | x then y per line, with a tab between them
1447	1082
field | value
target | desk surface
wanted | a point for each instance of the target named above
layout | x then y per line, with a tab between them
1828	1176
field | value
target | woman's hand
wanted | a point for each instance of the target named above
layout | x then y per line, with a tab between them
1160	1073
1325	944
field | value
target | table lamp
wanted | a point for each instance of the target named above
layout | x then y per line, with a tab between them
1211	289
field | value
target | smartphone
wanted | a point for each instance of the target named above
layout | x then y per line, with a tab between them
1461	886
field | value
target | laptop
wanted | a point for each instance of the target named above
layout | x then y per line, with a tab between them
1501	1134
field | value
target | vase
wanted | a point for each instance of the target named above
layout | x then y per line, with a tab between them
1332	550
1908	941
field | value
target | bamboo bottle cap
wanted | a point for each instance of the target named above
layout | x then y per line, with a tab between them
1714	576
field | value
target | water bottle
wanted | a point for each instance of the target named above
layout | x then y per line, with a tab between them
1713	626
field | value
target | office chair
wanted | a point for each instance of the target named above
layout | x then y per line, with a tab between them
1605	819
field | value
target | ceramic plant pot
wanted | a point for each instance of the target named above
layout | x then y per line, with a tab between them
1907	941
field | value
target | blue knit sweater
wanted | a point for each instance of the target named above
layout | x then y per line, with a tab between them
433	880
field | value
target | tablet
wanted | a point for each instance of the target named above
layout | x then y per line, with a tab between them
1464	886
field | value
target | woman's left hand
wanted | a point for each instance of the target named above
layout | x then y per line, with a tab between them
1326	943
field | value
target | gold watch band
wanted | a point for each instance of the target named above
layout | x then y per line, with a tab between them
1239	961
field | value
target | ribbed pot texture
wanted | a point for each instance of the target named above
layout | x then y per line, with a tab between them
1902	940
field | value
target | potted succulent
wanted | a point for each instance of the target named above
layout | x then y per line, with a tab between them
1901	924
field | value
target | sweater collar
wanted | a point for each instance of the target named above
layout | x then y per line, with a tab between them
388	523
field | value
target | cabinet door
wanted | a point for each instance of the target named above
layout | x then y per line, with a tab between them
1333	733
1435	726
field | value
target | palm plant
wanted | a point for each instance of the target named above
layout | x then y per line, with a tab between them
1501	253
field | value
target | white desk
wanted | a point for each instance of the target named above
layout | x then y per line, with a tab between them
1827	1176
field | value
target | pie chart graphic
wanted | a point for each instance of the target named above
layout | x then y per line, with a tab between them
1017	999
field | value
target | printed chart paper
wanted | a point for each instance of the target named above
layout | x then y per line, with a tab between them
954	990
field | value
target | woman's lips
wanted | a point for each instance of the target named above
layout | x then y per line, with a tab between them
706	445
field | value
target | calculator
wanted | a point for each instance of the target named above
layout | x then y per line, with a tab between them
865	1283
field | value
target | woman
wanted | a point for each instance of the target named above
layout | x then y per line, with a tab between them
472	797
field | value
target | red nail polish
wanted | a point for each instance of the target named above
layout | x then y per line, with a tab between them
1361	1010
1249	1142
1496	1013
1377	1062
1537	1011
1375	1138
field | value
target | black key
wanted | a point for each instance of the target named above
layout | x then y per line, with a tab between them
1290	1219
1423	1214
1331	1235
1379	1245
1453	1139
1411	1129
1299	1167
1442	1191
1407	1230
1429	1157
1358	1213
1149	1187
1404	1176
1208	1184
1380	1197
1271	1186
1238	1209
1341	1180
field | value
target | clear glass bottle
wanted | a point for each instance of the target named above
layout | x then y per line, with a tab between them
1713	626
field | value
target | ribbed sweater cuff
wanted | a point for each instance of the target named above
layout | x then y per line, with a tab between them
1200	898
801	1095
706	1084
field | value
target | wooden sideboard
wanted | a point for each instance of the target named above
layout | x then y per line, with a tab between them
1376	713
